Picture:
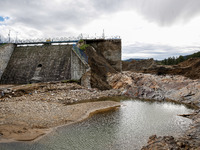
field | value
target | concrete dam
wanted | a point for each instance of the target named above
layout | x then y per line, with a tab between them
22	64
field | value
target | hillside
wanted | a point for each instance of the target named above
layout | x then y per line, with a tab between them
174	61
137	65
189	68
133	59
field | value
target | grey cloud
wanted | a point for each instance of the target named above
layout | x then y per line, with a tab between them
58	16
44	14
156	51
166	12
163	12
106	6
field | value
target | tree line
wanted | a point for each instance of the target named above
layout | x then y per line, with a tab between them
176	60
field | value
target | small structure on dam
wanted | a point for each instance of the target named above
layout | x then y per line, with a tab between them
23	63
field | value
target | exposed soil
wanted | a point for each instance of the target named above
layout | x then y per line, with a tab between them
99	69
138	65
189	68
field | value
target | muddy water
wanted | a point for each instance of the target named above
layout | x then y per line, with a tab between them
125	129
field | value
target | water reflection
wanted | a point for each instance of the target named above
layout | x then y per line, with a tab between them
124	129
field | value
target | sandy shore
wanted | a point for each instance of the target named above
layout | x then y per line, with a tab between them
37	118
25	116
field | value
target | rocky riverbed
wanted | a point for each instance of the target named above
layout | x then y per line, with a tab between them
29	111
164	88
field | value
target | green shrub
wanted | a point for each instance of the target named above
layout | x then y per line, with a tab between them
81	41
84	46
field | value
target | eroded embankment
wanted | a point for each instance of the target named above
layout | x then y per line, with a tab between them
29	111
189	68
163	88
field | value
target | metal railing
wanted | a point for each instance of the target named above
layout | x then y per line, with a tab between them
57	39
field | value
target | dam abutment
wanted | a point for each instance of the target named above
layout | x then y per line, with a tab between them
28	63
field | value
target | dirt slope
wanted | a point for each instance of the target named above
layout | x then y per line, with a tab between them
99	69
189	68
138	65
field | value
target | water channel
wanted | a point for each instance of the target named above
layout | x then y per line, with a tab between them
127	128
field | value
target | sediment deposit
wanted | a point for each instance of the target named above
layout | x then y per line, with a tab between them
29	111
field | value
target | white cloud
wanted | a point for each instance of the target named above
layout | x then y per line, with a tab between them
170	23
156	51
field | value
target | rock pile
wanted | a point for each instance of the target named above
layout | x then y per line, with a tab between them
147	86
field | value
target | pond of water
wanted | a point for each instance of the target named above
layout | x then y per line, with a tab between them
127	128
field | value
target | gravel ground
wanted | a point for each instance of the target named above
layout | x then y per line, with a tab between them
26	111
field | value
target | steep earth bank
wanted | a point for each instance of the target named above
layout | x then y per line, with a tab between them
139	65
162	88
29	111
189	68
99	69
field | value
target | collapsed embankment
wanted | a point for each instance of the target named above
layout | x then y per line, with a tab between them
99	68
189	68
163	88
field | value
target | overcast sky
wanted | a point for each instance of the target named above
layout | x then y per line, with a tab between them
148	28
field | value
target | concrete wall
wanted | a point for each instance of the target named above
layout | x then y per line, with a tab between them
5	54
110	49
77	67
52	62
45	63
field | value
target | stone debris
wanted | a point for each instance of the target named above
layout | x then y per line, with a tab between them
65	93
147	86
